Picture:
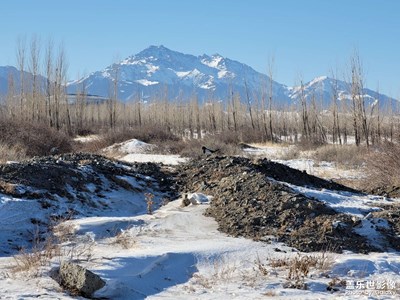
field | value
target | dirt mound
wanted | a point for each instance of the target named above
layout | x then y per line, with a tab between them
387	191
250	201
75	175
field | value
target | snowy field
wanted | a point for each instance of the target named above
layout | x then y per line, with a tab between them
178	253
138	151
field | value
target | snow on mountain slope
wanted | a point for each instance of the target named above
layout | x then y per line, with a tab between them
156	68
158	71
323	88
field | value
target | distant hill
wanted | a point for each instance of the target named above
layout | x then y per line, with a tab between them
160	73
9	72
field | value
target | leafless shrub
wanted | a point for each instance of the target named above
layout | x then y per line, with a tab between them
40	255
270	293
79	249
384	165
33	139
11	152
149	198
349	155
336	284
64	231
261	267
291	153
93	146
299	267
124	238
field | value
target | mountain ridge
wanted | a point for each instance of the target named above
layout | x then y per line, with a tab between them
158	72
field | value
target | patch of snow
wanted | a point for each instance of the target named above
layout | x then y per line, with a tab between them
146	82
155	158
183	74
213	62
129	147
86	138
358	205
135	146
199	198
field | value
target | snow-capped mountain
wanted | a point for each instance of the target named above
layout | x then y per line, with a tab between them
323	89
158	71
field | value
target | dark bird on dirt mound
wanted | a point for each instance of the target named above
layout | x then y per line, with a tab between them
54	151
208	151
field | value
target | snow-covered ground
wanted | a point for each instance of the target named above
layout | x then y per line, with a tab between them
323	169
178	253
138	151
86	138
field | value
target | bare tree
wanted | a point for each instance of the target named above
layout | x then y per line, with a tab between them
271	64
34	64
357	93
49	61
21	53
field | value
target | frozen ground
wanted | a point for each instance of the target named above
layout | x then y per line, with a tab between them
138	151
178	253
323	169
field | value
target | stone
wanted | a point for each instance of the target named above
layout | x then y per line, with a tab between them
77	279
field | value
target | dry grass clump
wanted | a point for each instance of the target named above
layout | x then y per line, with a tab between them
65	232
149	198
58	242
383	166
40	255
225	144
125	239
32	139
11	152
299	267
346	155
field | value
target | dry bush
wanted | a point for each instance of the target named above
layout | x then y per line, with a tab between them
300	266
346	155
383	166
291	153
34	139
59	241
225	146
64	232
124	238
149	198
93	146
40	255
11	152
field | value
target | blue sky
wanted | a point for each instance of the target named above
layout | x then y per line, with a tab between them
306	38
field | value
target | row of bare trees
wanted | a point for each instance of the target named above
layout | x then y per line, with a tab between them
43	99
38	98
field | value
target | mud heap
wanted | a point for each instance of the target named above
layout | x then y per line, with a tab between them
77	175
251	200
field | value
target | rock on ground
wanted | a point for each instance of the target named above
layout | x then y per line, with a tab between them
79	280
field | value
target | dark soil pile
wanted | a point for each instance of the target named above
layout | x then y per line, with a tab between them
387	191
69	175
249	201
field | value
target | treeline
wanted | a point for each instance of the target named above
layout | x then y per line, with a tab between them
43	100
